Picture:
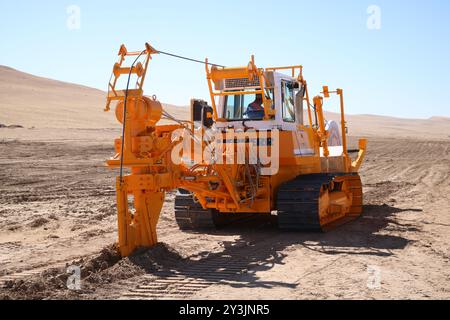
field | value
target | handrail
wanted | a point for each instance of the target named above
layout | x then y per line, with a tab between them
293	68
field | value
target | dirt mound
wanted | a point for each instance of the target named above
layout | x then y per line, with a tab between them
144	261
52	283
39	222
105	268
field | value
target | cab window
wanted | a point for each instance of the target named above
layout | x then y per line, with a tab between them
287	98
236	106
245	107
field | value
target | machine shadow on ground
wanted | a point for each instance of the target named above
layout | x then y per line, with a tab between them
261	246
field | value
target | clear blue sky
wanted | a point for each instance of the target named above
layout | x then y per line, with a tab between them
403	69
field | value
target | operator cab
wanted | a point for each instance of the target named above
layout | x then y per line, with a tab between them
246	110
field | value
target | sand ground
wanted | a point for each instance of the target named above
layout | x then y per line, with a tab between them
57	209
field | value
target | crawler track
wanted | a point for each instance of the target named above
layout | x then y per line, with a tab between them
190	215
298	202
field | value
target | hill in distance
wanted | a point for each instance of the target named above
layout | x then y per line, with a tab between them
32	101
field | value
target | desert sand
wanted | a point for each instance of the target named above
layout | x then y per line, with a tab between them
57	208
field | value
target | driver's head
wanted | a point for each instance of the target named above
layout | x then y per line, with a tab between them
259	97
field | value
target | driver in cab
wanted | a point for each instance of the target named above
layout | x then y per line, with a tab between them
255	110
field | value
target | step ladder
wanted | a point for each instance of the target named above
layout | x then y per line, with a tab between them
139	69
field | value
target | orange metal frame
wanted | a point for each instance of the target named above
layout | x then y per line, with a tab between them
148	149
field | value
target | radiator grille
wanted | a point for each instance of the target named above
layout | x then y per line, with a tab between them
241	83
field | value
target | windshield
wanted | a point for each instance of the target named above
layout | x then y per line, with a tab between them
244	107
